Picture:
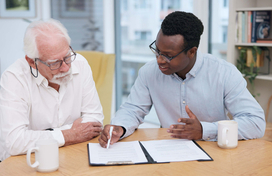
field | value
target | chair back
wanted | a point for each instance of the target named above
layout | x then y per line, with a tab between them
102	66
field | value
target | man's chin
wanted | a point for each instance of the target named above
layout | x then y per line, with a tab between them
60	81
167	72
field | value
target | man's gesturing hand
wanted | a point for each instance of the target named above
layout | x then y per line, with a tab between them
105	136
81	132
192	129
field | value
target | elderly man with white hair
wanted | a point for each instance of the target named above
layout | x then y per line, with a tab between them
49	94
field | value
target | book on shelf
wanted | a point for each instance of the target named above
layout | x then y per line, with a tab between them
260	25
250	59
253	27
236	28
249	22
264	41
240	16
244	24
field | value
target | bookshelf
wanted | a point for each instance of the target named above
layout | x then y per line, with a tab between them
254	44
263	83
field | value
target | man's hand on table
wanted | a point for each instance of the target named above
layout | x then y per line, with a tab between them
81	132
116	134
192	129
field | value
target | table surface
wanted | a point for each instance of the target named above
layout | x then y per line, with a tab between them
251	157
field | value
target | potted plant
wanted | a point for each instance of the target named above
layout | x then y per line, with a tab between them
249	61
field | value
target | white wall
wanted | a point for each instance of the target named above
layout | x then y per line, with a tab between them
12	33
203	15
11	41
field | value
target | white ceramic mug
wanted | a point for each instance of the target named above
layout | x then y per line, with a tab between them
227	134
46	156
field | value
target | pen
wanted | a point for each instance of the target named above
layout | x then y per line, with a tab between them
111	129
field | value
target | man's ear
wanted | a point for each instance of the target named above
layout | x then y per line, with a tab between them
192	52
30	62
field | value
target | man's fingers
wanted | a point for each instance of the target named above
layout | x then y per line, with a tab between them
105	136
103	139
102	142
114	139
96	124
186	120
189	112
179	128
96	129
182	136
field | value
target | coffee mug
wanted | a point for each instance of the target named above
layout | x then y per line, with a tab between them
46	156
227	134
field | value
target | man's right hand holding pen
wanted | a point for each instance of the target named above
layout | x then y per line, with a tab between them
105	135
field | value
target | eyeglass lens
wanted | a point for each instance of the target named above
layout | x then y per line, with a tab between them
155	51
58	64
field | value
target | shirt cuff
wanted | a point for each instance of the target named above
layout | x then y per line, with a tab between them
125	130
57	134
209	131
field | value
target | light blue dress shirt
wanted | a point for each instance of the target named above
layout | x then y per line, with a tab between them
212	88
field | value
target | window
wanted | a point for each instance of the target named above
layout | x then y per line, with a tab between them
124	5
143	35
219	28
142	4
140	23
225	3
225	34
82	18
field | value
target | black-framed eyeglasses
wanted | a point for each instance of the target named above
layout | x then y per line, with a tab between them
157	53
55	65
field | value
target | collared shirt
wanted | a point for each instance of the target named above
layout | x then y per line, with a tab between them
29	105
212	88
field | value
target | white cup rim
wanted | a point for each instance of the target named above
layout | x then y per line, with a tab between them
46	142
227	122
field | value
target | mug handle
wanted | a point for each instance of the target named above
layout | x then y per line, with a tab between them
224	136
28	157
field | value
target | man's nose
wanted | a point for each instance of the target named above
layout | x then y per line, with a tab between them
65	67
161	59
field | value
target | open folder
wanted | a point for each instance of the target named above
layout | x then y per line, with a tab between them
146	152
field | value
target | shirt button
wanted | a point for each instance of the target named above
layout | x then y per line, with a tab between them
183	83
183	102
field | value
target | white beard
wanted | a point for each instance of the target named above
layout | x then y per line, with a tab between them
62	78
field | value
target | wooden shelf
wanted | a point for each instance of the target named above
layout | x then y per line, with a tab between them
254	9
264	85
254	44
265	77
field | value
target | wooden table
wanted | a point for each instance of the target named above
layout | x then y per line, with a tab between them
252	157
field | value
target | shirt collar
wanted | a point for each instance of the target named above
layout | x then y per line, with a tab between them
193	72
41	79
197	65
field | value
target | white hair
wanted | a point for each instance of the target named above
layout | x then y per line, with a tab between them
44	28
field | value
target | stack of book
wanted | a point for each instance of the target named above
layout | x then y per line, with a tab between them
253	27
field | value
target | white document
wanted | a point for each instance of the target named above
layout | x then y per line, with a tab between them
160	151
174	150
118	152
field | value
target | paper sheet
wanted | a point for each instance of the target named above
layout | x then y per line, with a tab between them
120	151
174	150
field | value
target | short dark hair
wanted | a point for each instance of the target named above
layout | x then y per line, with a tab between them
185	24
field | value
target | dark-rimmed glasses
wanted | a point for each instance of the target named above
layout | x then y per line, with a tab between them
55	65
157	53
